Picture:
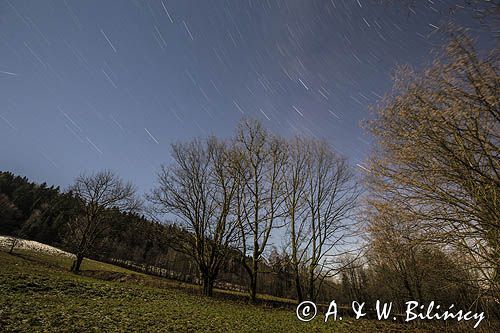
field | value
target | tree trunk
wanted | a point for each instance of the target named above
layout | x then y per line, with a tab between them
253	288
253	281
312	289
12	245
208	285
77	263
300	298
295	261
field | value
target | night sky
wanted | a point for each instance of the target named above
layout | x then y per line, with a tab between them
88	85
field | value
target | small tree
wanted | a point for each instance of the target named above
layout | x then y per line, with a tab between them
98	194
199	189
12	242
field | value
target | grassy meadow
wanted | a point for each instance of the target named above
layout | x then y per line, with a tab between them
39	294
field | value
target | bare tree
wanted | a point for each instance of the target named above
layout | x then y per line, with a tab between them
331	193
437	156
295	183
393	249
199	190
258	166
99	193
13	242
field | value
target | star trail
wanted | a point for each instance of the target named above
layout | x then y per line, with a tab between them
87	85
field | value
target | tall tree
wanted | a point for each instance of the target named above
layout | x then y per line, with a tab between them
331	193
258	167
295	182
199	190
437	154
98	194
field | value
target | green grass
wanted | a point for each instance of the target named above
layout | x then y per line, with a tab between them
37	293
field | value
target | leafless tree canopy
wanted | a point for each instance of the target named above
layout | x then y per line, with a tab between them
437	159
258	166
98	193
199	190
331	198
231	196
320	198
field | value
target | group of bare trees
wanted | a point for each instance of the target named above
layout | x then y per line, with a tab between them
233	196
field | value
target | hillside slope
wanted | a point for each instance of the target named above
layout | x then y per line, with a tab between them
37	293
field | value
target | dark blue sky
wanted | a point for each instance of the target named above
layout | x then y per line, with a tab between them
87	85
